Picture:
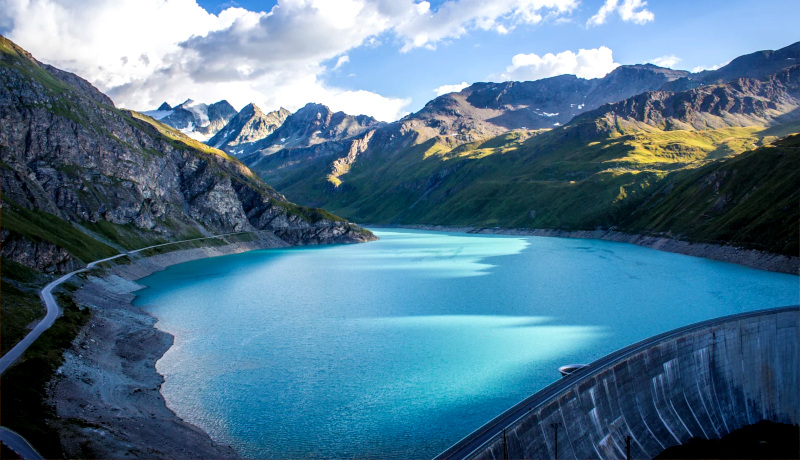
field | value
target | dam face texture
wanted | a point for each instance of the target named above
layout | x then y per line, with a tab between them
703	380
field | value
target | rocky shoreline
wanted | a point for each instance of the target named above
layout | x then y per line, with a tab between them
107	395
748	257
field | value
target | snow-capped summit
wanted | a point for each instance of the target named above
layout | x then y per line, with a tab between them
195	119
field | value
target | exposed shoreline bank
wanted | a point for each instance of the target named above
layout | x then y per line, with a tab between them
107	393
752	258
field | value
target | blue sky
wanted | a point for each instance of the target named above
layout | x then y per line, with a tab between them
714	33
392	54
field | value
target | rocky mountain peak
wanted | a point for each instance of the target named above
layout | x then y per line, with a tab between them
195	119
186	104
313	111
251	109
488	109
741	102
245	128
220	113
638	69
760	64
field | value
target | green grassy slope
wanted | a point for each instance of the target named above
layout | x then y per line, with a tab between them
751	200
38	225
568	180
575	179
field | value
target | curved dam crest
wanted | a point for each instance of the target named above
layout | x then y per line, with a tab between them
704	380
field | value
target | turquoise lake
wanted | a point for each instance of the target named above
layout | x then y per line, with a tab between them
401	347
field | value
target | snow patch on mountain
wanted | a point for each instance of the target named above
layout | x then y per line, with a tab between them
198	109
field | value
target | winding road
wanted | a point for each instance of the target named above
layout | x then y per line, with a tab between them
52	313
8	437
18	444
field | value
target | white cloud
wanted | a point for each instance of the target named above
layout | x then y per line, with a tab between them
143	52
591	63
425	28
444	89
701	68
341	61
108	41
629	11
666	61
600	17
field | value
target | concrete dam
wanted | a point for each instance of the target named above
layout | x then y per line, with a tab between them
704	380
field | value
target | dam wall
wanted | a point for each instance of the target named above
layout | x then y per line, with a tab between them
703	380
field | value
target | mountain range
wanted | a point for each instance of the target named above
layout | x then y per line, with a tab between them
561	152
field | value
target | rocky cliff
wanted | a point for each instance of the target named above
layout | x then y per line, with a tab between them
72	162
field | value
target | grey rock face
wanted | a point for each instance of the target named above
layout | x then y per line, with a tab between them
41	255
480	111
486	109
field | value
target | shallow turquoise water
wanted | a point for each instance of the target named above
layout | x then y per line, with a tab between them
399	348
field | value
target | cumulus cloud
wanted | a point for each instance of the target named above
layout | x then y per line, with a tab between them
423	27
444	89
105	40
591	63
629	11
143	52
666	61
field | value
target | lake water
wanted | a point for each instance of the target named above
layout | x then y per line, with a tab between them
400	347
